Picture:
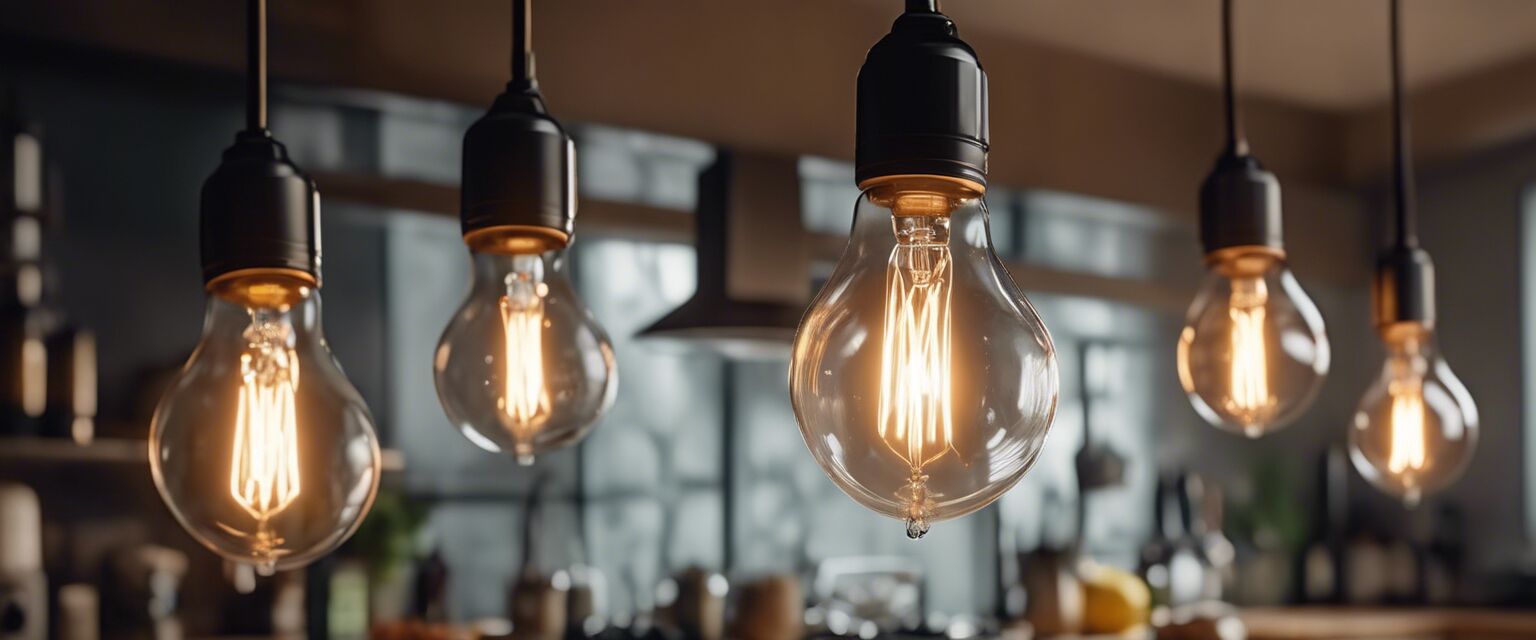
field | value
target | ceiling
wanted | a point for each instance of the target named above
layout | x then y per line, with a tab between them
1327	54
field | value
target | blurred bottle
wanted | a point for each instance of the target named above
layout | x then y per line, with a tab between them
141	594
1365	568
429	597
47	365
1158	551
79	613
23	586
1321	563
1203	576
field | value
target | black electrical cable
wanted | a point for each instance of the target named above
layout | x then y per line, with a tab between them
256	66
522	42
922	6
1407	226
1235	142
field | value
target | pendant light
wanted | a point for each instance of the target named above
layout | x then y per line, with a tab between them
923	380
523	367
1416	427
262	448
1253	352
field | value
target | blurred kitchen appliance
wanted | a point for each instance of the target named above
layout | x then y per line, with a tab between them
23	586
867	593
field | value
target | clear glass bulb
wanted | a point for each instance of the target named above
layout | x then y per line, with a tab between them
923	380
262	448
1253	352
1416	427
523	367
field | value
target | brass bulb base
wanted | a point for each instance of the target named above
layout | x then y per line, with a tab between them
515	240
263	288
922	195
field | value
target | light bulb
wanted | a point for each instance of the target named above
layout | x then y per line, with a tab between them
1253	352
261	448
523	367
1416	427
923	381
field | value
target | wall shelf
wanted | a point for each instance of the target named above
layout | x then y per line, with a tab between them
128	451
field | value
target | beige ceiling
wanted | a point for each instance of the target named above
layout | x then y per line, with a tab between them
1329	54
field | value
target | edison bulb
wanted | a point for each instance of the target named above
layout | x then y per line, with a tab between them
1416	427
1253	352
523	367
262	448
923	381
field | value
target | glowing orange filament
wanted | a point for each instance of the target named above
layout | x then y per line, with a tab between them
525	396
264	473
1249	400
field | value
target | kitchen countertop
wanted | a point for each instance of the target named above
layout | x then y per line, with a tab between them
1340	623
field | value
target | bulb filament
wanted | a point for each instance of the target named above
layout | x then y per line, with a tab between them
1249	400
1409	453
525	396
1407	427
264	472
915	419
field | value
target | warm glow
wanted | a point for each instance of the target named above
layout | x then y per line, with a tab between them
915	413
525	397
1249	398
264	470
1407	428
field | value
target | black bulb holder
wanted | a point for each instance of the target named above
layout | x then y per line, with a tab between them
1404	290
519	177
1240	207
260	213
922	103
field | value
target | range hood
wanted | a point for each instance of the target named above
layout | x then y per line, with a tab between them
753	272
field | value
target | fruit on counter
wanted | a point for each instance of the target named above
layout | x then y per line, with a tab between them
1114	600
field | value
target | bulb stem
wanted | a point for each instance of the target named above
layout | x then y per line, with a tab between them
256	66
1403	190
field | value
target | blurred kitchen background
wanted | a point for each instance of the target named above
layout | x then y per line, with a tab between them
1105	116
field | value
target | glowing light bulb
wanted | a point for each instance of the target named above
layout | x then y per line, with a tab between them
1416	427
1253	352
523	367
261	448
923	381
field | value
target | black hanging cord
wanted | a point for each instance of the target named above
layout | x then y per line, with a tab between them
522	42
1407	227
922	6
1236	145
256	66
